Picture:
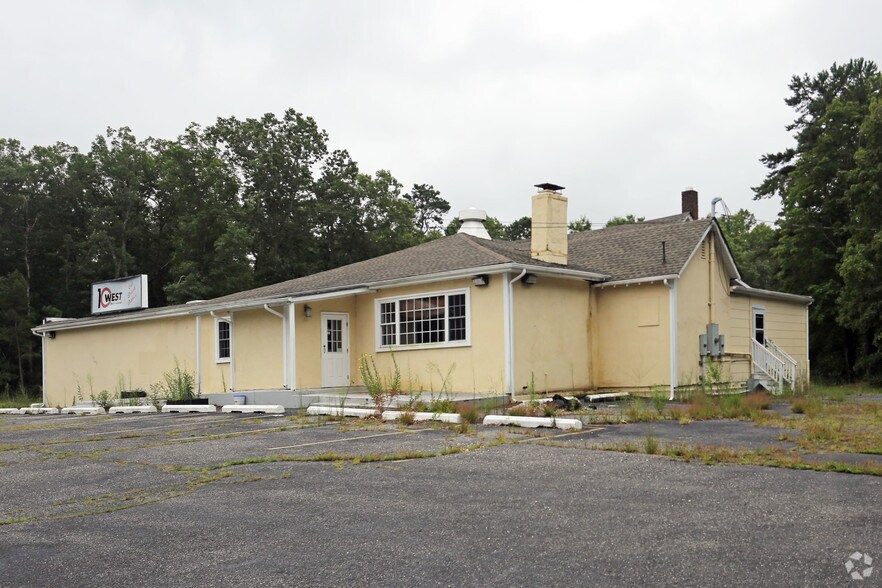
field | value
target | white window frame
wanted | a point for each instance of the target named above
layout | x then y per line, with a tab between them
217	355
441	344
755	310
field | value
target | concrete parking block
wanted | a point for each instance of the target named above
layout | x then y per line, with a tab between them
189	408
38	410
443	417
132	409
82	410
254	408
532	422
338	411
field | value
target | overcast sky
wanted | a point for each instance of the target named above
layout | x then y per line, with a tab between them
624	103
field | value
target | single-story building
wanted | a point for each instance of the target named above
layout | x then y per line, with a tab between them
653	305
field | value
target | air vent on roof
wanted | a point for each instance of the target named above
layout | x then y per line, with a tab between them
473	223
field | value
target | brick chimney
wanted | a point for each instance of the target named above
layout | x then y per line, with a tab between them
549	241
690	202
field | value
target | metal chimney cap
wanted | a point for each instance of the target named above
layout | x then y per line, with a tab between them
550	187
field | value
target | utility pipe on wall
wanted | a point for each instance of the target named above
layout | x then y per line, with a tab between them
198	355
285	382
508	310
672	318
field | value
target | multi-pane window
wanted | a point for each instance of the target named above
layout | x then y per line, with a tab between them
223	340
759	325
335	335
426	320
388	324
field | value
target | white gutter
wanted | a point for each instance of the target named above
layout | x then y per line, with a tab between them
285	379
638	281
198	356
673	319
501	268
745	290
62	325
256	303
509	325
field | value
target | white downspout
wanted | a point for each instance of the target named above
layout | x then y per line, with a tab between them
198	355
509	325
43	360
672	317
285	383
292	346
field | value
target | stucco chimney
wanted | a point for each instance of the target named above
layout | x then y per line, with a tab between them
549	242
473	223
690	202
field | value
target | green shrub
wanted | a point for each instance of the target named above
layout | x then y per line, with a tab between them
179	384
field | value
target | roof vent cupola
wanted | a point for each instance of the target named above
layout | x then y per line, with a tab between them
549	239
473	223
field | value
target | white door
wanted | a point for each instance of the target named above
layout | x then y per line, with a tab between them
335	349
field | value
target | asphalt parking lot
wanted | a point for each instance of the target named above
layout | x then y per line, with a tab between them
230	500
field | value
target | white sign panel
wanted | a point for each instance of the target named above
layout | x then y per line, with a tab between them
119	295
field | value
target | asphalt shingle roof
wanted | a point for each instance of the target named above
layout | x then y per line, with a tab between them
624	252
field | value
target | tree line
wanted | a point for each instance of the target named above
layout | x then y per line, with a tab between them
245	203
223	208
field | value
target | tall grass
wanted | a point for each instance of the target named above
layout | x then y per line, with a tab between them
18	399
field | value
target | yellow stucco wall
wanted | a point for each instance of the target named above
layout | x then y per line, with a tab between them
552	343
703	297
785	325
632	336
137	352
478	367
309	338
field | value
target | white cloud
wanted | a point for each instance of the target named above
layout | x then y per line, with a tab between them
624	103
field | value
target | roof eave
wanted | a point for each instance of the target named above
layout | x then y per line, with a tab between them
745	290
644	280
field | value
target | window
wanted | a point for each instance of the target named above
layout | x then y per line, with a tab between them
439	319
224	340
759	324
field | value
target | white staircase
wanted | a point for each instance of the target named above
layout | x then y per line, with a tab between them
772	366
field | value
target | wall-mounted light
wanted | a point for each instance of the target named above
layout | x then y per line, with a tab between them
481	280
50	334
529	279
307	310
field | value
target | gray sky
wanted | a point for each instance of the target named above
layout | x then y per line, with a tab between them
623	103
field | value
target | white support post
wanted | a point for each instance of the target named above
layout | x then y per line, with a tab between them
198	355
232	354
292	346
43	360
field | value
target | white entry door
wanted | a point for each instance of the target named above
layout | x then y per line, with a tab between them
335	349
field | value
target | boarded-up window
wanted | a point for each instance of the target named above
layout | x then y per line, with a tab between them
648	311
